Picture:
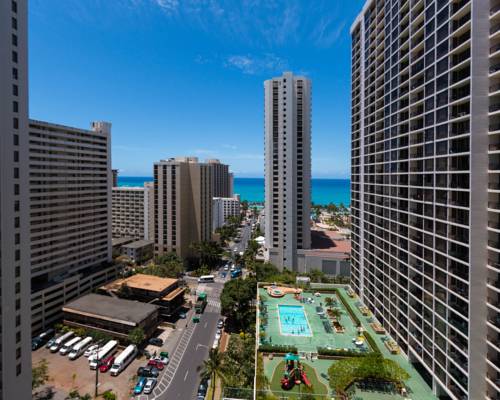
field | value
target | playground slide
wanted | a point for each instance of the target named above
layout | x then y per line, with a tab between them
305	379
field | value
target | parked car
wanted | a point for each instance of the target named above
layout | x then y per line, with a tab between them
106	364
139	387
155	341
50	343
182	315
42	339
218	334
215	344
156	364
163	358
220	323
202	389
92	349
149	386
148	372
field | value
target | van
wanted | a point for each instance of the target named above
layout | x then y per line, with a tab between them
60	341
66	347
80	348
124	359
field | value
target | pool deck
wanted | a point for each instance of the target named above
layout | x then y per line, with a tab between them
418	388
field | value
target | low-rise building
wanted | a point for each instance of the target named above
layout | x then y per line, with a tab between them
139	251
167	293
223	208
330	253
118	243
113	316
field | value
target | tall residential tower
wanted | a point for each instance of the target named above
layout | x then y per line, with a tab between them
425	184
15	332
287	168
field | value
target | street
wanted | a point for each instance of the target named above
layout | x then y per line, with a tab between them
181	378
246	234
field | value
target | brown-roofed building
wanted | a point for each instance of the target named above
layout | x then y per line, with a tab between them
167	293
330	253
111	315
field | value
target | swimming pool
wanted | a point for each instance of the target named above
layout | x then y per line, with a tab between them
293	321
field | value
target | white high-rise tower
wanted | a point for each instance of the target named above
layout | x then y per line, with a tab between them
287	168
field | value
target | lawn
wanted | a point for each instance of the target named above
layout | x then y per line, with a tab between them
317	388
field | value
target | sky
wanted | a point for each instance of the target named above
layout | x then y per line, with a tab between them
185	77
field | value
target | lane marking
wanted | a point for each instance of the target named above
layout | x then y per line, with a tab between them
185	376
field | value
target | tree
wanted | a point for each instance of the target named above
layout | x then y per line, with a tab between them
212	368
209	253
239	361
75	395
329	302
165	266
236	302
136	336
39	374
109	395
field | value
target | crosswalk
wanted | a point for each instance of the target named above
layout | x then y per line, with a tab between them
168	375
214	304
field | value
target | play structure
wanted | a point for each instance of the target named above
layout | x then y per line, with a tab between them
294	373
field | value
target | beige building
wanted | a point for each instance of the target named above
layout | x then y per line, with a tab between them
130	212
182	205
149	199
15	354
70	213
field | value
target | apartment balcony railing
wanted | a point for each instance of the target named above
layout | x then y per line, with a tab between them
494	282
494	107
494	29
495	88
458	5
495	48
494	166
494	127
495	303
494	68
494	9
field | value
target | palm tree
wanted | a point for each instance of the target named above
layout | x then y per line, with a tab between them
212	368
329	302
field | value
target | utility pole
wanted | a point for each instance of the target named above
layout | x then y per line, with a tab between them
97	372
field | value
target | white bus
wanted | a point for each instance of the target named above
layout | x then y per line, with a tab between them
79	348
124	359
66	347
102	353
206	278
60	340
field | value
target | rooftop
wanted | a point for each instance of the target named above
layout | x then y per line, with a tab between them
111	308
138	244
328	243
141	281
121	241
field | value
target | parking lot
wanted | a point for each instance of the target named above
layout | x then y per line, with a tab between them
66	375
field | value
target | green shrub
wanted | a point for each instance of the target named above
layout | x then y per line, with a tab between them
276	348
349	309
323	351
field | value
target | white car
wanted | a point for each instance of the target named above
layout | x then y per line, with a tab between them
216	344
91	350
226	268
149	386
218	334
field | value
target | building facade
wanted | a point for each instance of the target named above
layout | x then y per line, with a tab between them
425	179
222	209
287	105
221	178
70	209
114	173
15	334
149	200
182	205
130	209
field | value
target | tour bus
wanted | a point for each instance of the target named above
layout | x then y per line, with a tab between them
103	352
79	348
60	340
124	359
66	347
206	278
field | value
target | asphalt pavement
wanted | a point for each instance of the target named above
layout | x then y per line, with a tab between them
181	378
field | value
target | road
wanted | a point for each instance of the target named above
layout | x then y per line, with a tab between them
246	234
181	378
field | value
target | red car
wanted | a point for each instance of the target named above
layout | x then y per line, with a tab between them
106	364
157	364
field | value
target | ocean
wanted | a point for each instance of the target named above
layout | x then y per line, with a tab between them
324	191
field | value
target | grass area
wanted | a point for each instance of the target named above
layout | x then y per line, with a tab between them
317	387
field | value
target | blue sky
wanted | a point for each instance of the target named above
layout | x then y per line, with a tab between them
185	77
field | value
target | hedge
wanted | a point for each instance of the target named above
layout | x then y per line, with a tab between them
372	342
349	309
323	351
276	348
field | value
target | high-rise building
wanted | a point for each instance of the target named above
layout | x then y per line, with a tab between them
425	179
130	212
221	179
15	333
223	208
231	184
287	168
183	205
149	207
70	214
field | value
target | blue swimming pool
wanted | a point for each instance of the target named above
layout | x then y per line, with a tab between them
293	321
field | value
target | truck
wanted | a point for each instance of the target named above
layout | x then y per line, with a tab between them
201	303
